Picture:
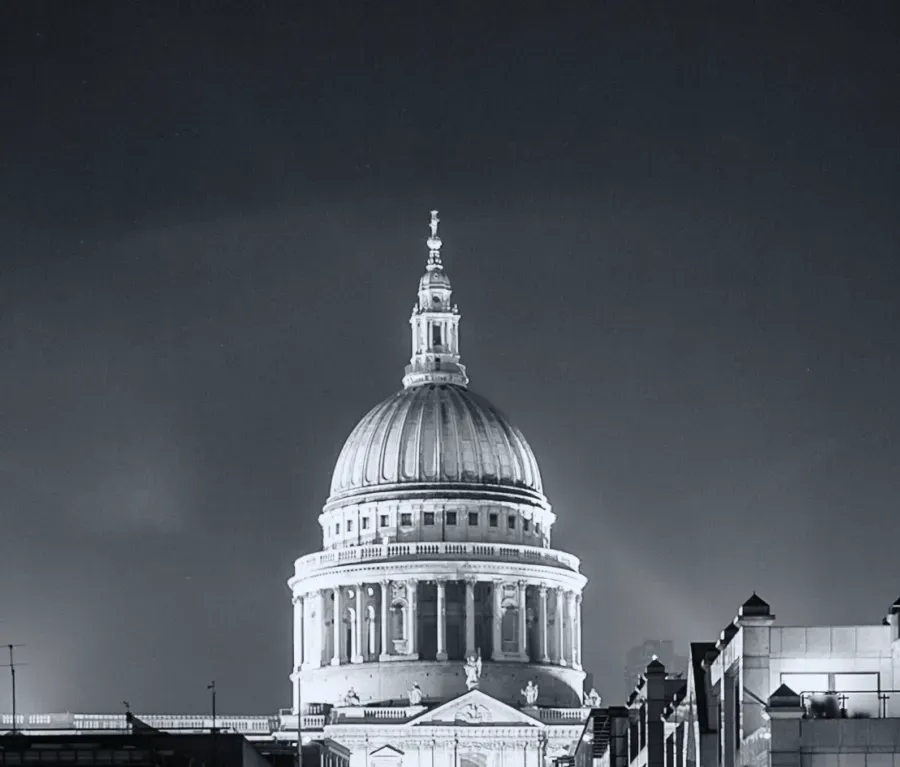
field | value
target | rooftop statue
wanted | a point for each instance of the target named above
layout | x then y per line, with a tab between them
473	670
414	694
531	693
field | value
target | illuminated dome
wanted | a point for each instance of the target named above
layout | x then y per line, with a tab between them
434	433
436	552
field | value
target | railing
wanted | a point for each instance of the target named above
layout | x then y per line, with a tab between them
288	721
563	714
850	704
321	560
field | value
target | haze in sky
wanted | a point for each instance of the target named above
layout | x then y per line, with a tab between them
672	236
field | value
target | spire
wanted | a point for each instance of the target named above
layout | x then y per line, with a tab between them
435	324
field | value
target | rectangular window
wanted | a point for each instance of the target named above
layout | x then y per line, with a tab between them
511	522
436	335
337	528
526	525
365	523
493	519
384	520
349	525
537	528
429	517
451	518
406	520
473	519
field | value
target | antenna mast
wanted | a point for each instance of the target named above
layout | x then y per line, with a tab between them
12	674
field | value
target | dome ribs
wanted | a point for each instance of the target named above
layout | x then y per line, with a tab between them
389	456
430	435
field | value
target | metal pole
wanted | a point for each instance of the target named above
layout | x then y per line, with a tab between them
12	673
212	686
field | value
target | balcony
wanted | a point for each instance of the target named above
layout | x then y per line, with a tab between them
851	704
534	555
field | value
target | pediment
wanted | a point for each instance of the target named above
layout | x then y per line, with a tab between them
386	752
475	709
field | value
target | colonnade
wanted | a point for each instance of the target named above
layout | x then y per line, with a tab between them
384	621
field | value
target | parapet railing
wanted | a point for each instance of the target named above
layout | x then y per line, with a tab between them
563	714
442	549
850	704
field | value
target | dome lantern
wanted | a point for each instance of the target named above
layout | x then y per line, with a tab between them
435	325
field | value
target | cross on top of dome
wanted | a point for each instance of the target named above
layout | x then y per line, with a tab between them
434	245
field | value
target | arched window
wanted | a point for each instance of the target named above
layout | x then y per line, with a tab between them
398	621
371	631
349	631
509	629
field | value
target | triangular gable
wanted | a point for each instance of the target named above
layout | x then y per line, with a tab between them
473	709
386	752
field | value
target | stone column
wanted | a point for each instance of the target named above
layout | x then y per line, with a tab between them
523	620
358	629
441	620
497	619
412	628
573	629
470	616
299	604
578	631
560	626
385	617
545	656
318	621
336	628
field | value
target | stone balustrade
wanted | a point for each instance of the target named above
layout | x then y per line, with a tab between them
322	560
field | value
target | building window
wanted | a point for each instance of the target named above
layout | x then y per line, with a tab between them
406	519
526	524
493	519
473	519
349	525
384	520
429	517
511	522
337	528
436	335
365	523
537	528
451	517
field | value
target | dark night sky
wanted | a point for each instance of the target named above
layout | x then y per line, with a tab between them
673	237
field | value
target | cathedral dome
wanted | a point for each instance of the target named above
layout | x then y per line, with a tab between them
434	433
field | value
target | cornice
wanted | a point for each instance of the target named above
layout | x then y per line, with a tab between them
461	570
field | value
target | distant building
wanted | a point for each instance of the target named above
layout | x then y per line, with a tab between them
638	657
761	695
135	748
